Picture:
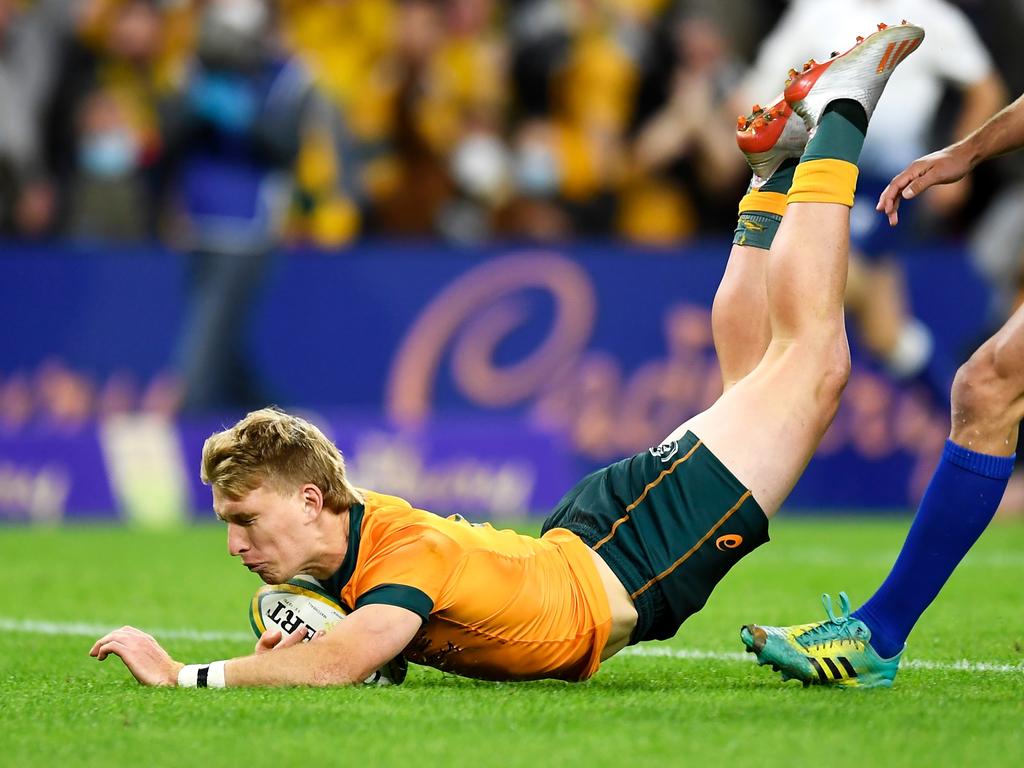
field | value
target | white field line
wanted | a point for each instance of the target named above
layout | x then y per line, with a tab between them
882	558
95	631
963	665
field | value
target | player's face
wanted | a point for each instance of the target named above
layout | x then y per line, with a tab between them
268	529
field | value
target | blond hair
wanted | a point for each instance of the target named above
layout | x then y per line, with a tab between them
274	447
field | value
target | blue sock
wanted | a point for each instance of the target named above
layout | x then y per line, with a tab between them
959	504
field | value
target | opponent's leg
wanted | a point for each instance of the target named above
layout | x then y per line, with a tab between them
772	139
864	649
767	426
964	491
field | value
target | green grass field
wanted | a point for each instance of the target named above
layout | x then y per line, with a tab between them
701	701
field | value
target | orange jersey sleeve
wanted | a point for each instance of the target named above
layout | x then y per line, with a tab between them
408	566
496	604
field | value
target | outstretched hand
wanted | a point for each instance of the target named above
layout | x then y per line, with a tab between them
145	659
942	167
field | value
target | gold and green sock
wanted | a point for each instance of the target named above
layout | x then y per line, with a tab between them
761	209
827	172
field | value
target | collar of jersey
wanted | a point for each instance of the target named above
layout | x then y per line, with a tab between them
341	577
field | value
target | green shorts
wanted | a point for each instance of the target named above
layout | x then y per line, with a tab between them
670	522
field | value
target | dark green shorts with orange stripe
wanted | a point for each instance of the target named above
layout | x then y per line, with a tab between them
670	522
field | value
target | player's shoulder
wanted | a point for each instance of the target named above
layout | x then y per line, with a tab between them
386	516
382	503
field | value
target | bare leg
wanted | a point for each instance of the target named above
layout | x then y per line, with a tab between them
739	315
988	392
962	497
767	426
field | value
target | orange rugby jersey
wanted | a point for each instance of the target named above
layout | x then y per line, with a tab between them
495	604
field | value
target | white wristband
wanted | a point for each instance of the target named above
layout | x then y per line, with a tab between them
187	675
215	677
202	675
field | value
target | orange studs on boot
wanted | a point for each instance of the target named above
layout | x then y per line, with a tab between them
770	135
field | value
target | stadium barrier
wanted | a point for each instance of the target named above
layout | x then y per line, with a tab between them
482	381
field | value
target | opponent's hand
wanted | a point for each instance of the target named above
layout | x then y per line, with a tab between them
145	659
271	640
942	167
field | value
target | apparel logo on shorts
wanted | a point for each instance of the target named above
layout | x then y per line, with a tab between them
728	541
665	451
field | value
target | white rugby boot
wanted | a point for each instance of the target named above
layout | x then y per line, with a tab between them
859	74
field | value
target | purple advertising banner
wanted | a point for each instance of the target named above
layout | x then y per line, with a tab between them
478	467
492	468
483	381
47	477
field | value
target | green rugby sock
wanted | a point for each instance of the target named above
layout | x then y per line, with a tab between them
827	172
761	209
756	230
840	133
782	179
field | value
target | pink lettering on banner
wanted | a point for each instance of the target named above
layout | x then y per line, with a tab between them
608	413
472	315
585	395
38	494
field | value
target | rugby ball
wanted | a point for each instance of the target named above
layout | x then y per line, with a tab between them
302	605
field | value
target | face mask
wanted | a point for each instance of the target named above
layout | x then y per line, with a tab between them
479	165
537	170
109	155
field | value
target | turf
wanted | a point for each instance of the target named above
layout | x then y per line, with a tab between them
58	706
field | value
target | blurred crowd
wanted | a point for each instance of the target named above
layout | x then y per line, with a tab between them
320	121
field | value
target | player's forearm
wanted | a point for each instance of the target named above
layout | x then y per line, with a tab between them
318	664
1003	133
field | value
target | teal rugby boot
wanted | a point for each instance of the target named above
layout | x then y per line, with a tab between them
835	652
